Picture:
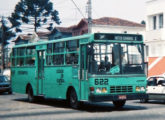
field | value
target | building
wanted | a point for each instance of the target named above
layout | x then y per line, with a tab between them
57	33
109	25
155	36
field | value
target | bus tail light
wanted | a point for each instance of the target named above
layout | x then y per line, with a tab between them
92	89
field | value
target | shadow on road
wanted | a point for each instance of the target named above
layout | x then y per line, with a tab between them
161	102
4	93
86	107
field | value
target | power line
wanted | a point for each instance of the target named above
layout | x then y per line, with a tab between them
78	8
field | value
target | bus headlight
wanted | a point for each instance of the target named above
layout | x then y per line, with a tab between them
98	90
140	88
137	89
104	90
101	90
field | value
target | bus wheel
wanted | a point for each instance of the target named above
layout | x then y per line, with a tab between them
30	94
73	101
143	100
119	103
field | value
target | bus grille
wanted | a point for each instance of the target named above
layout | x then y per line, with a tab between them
121	89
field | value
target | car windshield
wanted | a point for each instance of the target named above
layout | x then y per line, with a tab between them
154	81
3	79
115	58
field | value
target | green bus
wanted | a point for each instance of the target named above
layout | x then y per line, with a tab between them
93	68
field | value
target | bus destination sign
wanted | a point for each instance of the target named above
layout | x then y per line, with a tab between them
117	37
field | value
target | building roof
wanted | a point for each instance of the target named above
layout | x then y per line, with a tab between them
66	29
156	66
116	22
108	21
27	37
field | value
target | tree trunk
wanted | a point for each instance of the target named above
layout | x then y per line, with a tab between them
35	24
2	49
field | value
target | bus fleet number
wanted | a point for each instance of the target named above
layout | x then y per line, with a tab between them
101	81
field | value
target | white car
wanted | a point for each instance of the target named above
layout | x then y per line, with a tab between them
155	88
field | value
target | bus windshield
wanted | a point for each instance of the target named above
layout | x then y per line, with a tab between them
115	58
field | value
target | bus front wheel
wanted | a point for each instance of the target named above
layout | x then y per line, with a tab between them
143	100
30	94
119	103
73	100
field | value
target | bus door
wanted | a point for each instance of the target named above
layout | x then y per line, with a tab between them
83	73
40	71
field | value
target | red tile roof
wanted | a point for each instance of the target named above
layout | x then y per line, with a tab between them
158	68
116	22
66	29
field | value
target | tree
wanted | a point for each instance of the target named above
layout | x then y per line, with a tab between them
143	22
37	13
6	34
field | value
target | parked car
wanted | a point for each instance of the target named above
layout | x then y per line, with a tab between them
5	85
155	88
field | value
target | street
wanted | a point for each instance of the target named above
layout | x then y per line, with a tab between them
16	107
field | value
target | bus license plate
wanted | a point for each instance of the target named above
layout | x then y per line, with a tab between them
122	97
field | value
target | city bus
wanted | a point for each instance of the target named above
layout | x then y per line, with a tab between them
88	68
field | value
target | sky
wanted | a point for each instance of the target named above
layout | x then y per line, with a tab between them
133	10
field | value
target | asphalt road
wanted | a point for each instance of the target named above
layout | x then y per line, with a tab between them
16	107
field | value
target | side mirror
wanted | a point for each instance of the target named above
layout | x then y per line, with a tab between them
146	68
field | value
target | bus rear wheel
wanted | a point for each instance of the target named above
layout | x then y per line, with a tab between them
119	103
30	94
73	100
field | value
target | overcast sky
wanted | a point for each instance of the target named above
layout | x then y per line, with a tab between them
133	10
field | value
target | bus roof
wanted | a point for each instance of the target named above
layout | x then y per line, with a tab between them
98	37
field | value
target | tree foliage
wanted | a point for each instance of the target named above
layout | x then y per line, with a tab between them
34	12
143	22
6	32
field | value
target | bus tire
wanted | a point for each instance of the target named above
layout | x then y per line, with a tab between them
30	94
119	103
143	100
73	100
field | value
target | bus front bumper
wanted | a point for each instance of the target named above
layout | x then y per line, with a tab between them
99	98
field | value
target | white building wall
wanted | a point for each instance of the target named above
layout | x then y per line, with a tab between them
155	38
118	29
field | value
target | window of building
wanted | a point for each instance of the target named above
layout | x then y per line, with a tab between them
161	21
154	22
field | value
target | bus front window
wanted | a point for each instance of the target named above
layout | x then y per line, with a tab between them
115	58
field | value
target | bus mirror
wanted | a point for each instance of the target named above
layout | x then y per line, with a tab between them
145	52
146	68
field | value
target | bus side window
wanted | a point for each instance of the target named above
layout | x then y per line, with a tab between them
72	45
58	59
30	56
72	58
58	47
49	59
20	56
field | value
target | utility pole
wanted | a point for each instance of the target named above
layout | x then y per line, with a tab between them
89	16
